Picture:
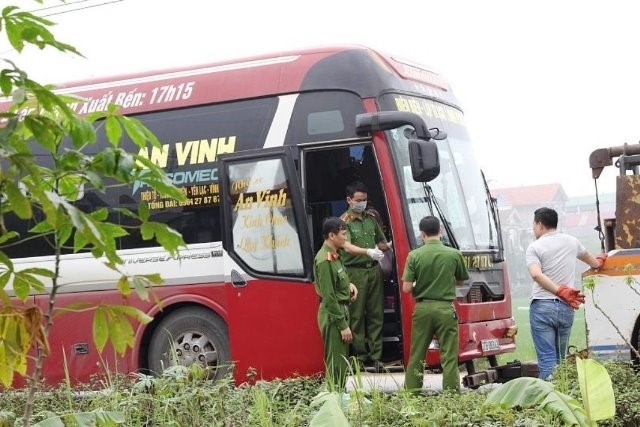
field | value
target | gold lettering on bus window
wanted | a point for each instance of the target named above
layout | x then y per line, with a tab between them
271	242
248	245
255	221
275	219
263	199
251	221
243	202
267	199
241	184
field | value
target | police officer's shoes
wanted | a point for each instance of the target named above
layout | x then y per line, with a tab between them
378	366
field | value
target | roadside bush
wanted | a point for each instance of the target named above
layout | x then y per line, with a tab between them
183	396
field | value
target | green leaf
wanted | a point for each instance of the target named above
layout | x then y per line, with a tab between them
154	278
4	259
566	408
21	287
32	281
6	369
79	242
143	211
19	202
41	228
123	286
14	34
98	418
51	422
525	392
39	271
45	131
5	84
100	328
140	285
134	313
113	130
170	239
4	297
134	130
8	236
4	279
330	413
120	331
81	132
596	389
100	215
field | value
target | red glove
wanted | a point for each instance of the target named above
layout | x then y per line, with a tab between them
601	259
571	296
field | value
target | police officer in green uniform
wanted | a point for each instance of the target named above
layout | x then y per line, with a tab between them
336	292
431	272
363	250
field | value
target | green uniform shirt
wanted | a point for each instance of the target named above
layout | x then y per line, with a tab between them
363	232
332	284
433	267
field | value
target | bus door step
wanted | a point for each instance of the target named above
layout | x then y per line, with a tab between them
501	374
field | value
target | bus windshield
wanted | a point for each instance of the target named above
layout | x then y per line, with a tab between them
459	190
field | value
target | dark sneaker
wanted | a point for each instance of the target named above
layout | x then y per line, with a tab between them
378	366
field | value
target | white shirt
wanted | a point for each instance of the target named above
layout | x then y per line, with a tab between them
555	253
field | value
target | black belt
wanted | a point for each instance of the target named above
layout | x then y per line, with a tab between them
363	265
429	299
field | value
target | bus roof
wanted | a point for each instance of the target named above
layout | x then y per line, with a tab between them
352	68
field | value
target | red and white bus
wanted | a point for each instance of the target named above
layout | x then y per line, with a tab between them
263	148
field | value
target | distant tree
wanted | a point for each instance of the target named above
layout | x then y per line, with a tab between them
38	118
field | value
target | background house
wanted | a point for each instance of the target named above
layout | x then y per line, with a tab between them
577	216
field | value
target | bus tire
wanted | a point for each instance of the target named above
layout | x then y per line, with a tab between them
191	335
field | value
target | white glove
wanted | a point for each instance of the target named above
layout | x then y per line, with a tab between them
375	254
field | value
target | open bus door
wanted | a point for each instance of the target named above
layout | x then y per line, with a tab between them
271	300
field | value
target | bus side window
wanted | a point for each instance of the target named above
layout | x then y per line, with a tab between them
196	225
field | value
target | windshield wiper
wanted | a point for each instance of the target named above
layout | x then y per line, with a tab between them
492	211
432	202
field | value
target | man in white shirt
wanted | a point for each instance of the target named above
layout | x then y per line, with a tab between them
551	263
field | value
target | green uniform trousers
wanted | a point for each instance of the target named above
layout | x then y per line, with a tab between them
429	318
336	351
367	312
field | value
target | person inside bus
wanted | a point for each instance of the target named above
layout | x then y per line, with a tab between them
362	251
551	263
336	292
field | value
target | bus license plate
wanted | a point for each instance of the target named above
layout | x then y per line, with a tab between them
490	345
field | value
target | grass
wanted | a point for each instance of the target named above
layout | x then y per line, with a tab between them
524	344
183	396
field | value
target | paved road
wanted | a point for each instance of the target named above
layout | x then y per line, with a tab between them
392	381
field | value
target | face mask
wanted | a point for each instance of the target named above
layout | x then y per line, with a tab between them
359	207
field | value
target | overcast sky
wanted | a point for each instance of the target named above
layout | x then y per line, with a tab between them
542	83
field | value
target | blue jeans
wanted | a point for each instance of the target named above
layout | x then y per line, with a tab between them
551	322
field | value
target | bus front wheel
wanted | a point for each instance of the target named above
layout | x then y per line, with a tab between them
191	335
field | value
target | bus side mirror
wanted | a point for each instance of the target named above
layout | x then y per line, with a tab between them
425	162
